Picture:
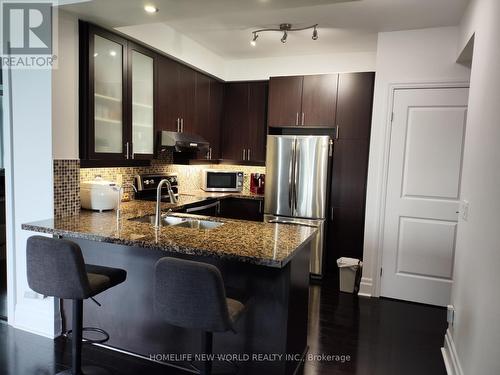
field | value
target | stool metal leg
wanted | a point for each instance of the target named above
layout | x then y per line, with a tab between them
76	342
207	342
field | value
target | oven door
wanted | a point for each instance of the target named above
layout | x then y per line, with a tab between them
222	181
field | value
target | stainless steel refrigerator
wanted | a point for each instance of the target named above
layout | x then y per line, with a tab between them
296	188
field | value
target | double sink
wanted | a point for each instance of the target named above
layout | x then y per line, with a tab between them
183	222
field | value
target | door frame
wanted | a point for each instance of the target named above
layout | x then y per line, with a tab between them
370	287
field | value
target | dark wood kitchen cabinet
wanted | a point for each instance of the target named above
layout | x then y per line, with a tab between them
117	97
350	167
242	209
176	96
300	101
244	121
216	102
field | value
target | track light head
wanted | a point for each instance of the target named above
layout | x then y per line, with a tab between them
315	34
253	43
283	38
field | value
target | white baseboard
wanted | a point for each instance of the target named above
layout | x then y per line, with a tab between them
37	318
450	356
365	287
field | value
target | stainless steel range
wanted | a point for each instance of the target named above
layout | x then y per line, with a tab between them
147	184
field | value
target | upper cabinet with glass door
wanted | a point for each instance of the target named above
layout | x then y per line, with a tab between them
117	95
106	94
142	91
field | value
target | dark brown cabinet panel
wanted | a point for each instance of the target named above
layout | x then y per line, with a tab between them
202	106
256	144
350	167
319	100
354	105
285	101
168	104
187	97
242	209
234	125
215	118
244	121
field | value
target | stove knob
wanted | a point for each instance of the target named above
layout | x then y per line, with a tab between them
146	182
151	181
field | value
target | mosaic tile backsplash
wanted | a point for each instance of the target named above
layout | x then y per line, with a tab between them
66	187
68	175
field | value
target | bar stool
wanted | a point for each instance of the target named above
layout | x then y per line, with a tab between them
55	268
191	295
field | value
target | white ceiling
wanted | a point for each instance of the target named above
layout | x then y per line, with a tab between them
225	26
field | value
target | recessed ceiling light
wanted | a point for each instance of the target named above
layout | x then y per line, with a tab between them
150	9
112	53
96	54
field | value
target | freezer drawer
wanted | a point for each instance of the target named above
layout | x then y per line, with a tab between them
318	243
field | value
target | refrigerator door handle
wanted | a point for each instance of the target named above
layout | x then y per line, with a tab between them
295	174
290	177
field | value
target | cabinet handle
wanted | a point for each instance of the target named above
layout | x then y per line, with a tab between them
178	125
303	117
337	132
132	150
297	119
248	154
182	125
244	153
127	148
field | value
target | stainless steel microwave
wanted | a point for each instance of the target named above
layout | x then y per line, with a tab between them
214	180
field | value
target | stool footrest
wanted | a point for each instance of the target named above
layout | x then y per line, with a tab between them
90	341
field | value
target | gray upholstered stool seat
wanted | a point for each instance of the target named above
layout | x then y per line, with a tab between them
55	268
192	295
102	278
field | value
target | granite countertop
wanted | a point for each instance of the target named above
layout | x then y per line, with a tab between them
272	245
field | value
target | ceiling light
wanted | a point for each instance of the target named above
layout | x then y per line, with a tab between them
285	35
254	40
112	53
150	9
96	54
315	34
285	28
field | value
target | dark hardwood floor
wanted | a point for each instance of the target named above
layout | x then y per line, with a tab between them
368	336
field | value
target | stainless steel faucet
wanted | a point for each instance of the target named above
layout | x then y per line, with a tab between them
120	193
171	195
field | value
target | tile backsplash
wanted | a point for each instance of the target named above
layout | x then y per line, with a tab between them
68	175
66	187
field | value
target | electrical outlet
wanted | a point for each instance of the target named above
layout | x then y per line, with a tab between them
464	210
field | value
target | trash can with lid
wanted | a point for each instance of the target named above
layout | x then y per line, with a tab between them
349	272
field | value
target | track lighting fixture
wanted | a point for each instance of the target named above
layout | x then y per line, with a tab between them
285	28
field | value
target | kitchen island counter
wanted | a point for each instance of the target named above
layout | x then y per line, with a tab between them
264	244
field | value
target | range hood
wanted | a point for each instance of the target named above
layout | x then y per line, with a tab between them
181	142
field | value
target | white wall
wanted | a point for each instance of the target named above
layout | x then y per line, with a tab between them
261	69
476	332
65	90
179	46
29	188
403	57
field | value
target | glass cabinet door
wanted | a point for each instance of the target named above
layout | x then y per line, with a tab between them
142	103
108	96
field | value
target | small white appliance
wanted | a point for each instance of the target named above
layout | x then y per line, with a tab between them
224	181
99	195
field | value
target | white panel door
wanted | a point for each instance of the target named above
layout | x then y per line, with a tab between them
423	190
